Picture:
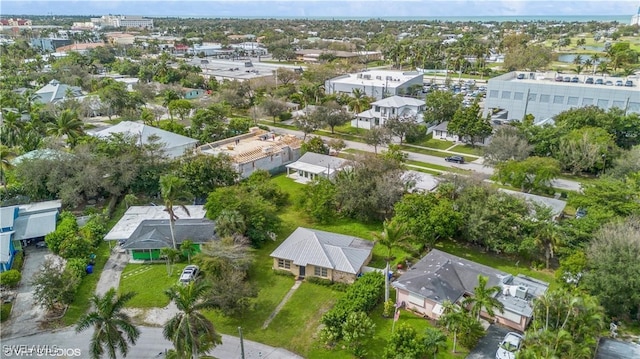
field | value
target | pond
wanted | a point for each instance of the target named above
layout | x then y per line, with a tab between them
568	58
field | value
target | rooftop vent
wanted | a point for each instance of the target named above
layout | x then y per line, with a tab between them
521	292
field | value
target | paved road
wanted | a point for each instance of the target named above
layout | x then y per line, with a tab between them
151	344
476	166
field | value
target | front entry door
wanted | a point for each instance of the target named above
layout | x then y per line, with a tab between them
301	271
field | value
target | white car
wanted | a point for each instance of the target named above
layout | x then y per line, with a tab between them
509	346
189	274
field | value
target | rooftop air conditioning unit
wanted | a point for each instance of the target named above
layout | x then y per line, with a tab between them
521	292
359	76
378	77
389	78
368	77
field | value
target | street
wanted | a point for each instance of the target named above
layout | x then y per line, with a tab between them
66	343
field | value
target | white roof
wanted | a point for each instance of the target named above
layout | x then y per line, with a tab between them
136	214
398	101
5	246
318	163
46	206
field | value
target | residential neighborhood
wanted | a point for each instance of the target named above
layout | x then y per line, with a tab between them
310	187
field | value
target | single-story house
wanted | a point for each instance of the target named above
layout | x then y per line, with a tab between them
313	253
144	230
175	145
440	276
313	165
55	91
440	132
420	181
21	224
557	205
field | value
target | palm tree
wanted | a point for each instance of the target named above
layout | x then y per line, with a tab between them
6	155
454	319
547	238
359	102
434	340
170	255
113	329
172	188
67	124
595	59
484	299
12	128
190	331
577	60
394	235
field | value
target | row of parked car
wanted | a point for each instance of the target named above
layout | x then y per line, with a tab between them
588	80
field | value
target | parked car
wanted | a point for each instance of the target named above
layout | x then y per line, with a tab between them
619	83
567	79
589	81
599	82
575	79
189	273
456	159
608	83
509	346
559	79
628	83
581	212
520	76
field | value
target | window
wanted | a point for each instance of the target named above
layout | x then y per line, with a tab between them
417	300
544	98
572	100
558	99
518	95
506	94
283	263
532	97
377	108
320	272
587	101
493	93
634	107
603	103
618	104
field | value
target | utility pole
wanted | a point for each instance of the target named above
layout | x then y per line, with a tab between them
241	343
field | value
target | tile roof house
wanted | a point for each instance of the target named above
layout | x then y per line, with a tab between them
175	145
390	107
313	165
440	276
144	230
313	253
54	91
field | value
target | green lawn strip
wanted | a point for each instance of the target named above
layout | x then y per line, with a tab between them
577	178
509	265
296	325
429	141
423	170
87	287
149	281
467	150
424	151
438	167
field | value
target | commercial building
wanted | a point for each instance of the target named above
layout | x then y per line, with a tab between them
123	21
46	44
635	19
545	95
375	83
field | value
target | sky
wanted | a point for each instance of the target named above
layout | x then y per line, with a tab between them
322	8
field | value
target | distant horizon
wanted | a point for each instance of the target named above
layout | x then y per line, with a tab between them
303	9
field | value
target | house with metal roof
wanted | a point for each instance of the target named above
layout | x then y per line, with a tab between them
174	145
440	276
403	108
313	253
314	165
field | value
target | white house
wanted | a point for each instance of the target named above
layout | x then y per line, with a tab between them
313	165
390	107
374	83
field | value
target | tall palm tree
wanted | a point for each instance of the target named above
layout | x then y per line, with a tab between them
359	102
189	330
173	188
113	330
187	247
454	319
548	238
12	128
394	235
6	155
434	340
170	255
484	299
67	124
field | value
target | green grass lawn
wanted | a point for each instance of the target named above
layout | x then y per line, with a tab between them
149	293
429	141
424	151
468	149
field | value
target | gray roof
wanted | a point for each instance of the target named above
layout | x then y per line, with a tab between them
35	225
616	349
398	101
156	233
442	126
135	215
440	276
325	249
55	91
556	205
318	163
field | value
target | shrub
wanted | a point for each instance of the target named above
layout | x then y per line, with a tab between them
5	311
285	116
18	260
95	229
67	228
284	273
389	308
10	278
77	266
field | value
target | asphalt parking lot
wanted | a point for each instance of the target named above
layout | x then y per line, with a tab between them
488	345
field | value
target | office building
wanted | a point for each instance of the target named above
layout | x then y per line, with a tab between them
375	83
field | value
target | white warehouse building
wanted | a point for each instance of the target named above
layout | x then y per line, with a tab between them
374	83
545	95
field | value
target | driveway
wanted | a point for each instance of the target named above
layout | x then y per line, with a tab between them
488	345
25	315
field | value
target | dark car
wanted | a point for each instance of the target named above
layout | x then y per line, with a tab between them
575	79
599	82
629	83
589	80
456	159
520	76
